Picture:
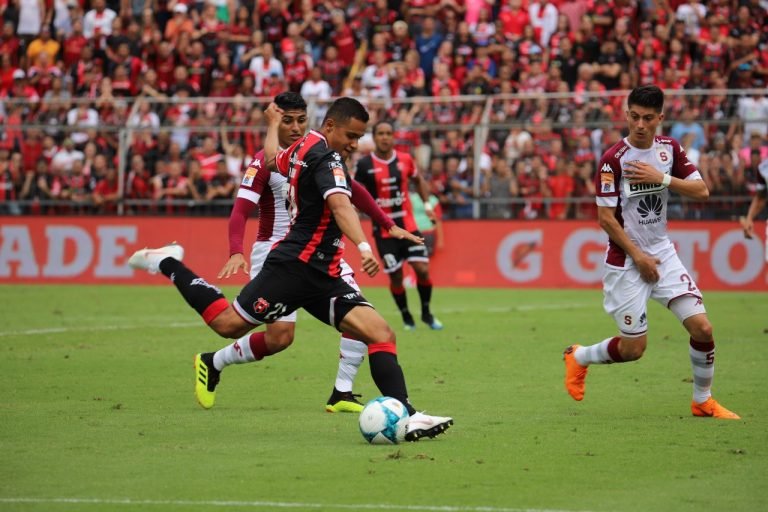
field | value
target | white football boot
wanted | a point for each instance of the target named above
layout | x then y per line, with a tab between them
423	425
149	259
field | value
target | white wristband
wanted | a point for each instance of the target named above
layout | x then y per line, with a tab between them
666	180
364	246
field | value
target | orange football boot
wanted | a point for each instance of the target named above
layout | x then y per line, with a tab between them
713	409
575	374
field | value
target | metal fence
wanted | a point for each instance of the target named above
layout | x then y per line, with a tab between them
456	136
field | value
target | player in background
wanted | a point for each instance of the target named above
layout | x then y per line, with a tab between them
758	203
265	189
633	182
304	269
386	174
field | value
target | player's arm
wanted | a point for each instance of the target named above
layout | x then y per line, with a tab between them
364	201
422	188
755	207
273	114
646	265
349	223
237	221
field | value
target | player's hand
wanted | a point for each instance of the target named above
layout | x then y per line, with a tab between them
648	268
641	172
273	114
748	226
370	265
235	262
398	232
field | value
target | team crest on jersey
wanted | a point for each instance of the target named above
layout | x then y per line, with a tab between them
607	182
663	155
249	176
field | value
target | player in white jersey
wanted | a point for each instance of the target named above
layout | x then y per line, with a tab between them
633	182
758	203
264	189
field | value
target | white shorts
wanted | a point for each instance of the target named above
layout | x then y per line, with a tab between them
626	295
259	253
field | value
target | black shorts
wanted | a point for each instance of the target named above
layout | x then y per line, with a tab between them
283	287
394	251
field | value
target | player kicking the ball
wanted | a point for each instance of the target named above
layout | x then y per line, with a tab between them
633	182
265	189
304	269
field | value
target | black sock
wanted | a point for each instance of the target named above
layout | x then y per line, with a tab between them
388	377
195	290
401	299
425	294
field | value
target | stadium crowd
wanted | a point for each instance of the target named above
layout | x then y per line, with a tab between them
74	72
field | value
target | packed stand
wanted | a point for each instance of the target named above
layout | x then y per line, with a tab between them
190	79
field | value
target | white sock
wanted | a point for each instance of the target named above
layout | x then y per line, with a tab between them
594	354
703	364
352	353
238	352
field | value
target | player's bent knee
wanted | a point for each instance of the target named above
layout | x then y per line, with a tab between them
229	325
632	349
279	337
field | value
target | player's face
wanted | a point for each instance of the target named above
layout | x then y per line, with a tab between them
643	123
292	127
343	137
383	138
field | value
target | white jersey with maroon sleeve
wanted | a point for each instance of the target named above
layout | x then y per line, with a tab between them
266	189
641	209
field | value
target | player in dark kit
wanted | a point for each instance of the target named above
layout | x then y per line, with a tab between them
386	174
303	270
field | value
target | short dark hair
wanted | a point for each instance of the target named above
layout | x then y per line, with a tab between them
378	124
290	101
648	96
344	109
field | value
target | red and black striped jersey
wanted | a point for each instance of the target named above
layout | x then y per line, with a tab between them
314	173
387	182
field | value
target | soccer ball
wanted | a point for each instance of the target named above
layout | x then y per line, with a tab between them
383	421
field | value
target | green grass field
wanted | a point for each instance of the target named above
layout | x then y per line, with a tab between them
97	411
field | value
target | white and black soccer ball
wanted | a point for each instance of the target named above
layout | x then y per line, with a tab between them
384	420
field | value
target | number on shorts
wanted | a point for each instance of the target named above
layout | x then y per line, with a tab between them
277	311
390	260
685	278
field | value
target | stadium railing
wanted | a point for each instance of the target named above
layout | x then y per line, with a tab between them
473	125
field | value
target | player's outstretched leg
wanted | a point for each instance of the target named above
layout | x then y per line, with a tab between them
203	297
578	358
366	324
351	355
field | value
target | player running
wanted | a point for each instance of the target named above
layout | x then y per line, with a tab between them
304	269
757	204
641	263
386	173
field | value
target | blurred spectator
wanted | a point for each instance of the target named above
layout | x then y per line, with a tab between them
688	124
169	186
753	111
31	18
65	157
105	195
42	44
97	23
561	186
80	118
500	186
